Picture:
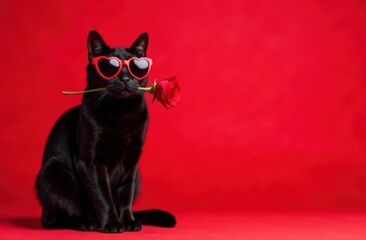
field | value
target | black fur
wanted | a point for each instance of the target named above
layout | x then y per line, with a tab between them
89	177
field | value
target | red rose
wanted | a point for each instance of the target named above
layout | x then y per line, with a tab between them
167	92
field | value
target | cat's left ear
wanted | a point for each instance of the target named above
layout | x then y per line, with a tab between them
139	47
96	45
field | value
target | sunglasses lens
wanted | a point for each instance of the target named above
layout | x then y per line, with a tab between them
139	67
108	67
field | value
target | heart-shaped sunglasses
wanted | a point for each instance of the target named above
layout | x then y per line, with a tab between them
109	67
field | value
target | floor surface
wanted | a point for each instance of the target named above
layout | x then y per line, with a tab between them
213	226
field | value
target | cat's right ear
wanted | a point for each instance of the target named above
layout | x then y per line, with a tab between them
96	45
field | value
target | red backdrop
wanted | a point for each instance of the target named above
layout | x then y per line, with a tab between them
273	109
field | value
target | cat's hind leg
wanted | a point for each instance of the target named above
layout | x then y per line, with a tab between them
61	197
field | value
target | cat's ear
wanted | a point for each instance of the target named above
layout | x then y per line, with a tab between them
139	47
96	44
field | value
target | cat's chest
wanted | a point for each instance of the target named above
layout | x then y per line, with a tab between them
113	146
114	151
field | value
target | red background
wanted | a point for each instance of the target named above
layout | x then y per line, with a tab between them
273	108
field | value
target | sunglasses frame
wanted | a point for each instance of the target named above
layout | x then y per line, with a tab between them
121	64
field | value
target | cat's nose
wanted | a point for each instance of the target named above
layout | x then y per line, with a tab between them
124	75
125	79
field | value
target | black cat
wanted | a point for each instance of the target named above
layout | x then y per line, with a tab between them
89	177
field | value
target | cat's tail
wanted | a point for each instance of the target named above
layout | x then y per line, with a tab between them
155	217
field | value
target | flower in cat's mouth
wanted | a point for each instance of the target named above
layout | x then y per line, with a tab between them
166	91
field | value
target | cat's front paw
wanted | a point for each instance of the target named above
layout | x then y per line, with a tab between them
113	227
132	225
85	226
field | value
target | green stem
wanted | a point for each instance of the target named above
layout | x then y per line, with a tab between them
145	89
149	89
84	91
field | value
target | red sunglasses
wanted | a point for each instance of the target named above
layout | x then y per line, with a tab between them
109	67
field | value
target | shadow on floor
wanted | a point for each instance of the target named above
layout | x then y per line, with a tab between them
23	222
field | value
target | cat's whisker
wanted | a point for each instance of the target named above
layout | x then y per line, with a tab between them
92	96
139	94
102	98
90	100
95	100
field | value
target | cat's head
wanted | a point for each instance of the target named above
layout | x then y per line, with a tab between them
120	70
